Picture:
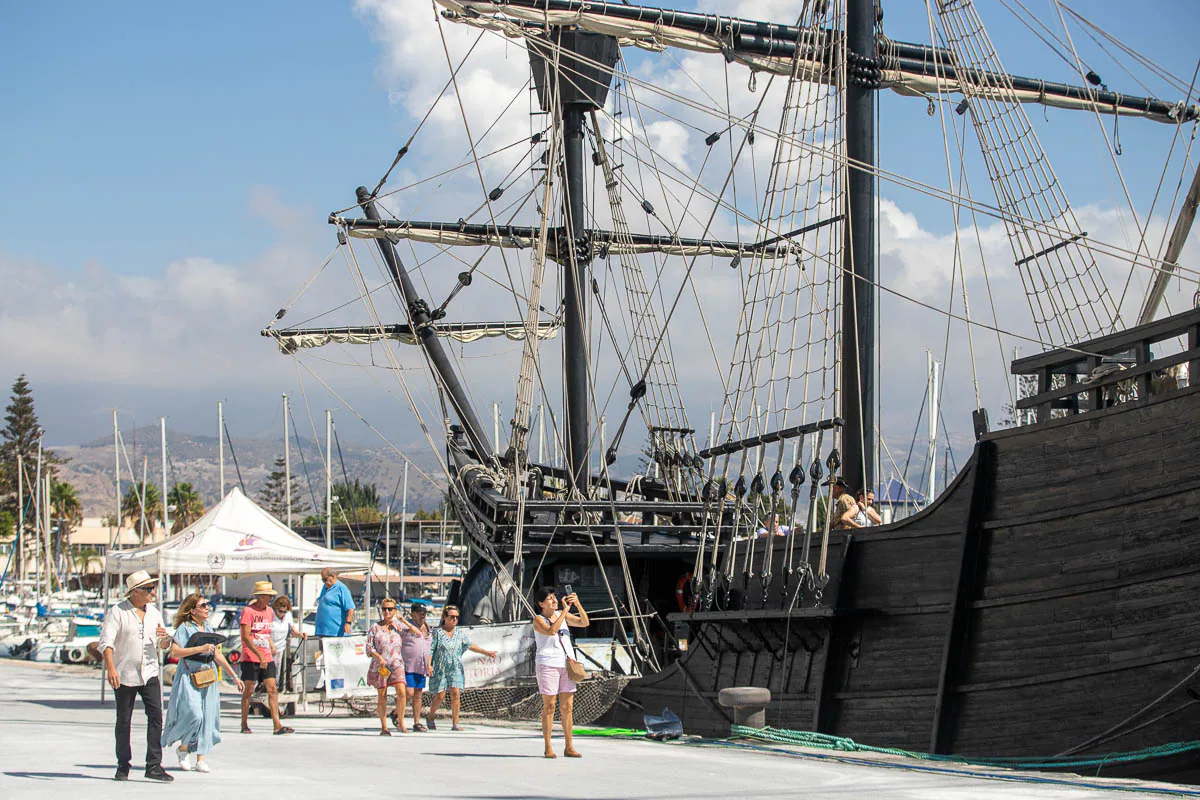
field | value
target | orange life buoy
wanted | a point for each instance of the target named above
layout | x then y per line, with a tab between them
684	597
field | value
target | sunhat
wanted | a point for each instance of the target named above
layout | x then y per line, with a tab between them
263	587
139	580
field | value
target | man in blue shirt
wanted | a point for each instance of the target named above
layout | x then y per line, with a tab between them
335	606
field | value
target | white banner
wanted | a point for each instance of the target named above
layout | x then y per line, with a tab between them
515	650
344	662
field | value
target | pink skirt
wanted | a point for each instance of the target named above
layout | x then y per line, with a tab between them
553	680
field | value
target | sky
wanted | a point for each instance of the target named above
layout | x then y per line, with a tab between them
168	170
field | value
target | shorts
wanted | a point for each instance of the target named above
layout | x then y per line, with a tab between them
414	680
253	672
553	680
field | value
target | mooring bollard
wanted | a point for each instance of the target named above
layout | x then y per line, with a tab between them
749	704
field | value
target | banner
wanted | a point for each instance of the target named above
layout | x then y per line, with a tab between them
344	662
515	650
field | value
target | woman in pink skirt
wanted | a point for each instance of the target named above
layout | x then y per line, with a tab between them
387	664
553	647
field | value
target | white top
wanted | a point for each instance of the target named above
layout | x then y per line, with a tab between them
280	628
550	652
133	642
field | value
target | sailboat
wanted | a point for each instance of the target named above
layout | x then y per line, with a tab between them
999	621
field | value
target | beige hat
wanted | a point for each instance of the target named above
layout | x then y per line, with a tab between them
263	587
139	580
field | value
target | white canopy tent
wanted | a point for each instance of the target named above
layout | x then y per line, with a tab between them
235	537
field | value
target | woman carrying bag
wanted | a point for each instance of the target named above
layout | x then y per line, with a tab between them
194	715
555	662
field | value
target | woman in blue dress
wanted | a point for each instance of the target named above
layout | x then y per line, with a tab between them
449	644
194	715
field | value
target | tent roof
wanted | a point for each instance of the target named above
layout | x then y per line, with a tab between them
235	537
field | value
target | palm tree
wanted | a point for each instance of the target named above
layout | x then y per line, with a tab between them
142	503
64	504
185	502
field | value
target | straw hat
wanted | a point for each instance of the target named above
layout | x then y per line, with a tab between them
139	580
263	587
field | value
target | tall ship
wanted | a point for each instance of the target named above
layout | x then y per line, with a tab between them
677	233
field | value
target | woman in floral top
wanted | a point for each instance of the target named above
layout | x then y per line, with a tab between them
387	665
449	644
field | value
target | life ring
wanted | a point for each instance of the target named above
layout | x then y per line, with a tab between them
74	655
684	597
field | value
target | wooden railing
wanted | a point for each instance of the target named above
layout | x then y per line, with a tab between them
1111	369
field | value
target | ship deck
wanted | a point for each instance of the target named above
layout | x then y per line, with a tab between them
56	738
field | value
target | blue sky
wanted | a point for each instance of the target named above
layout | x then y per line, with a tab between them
172	150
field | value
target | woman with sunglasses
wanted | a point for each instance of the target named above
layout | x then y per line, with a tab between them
194	715
387	664
554	647
449	644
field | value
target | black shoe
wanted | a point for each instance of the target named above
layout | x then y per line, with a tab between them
122	774
159	774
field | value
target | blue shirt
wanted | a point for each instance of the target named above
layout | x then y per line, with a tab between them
333	604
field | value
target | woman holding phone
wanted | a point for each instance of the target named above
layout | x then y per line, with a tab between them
554	647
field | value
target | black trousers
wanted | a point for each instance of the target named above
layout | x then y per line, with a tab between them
151	694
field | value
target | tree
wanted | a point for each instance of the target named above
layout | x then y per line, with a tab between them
358	501
184	502
273	495
20	436
64	503
141	503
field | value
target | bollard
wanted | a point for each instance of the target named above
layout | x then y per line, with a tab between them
749	704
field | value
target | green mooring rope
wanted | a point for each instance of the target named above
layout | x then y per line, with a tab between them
827	742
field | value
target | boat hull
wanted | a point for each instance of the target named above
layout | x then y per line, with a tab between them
1048	597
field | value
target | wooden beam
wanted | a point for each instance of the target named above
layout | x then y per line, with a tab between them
967	585
1179	235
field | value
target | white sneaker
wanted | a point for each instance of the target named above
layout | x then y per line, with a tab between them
202	766
185	760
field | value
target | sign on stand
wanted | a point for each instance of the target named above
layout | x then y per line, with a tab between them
515	650
343	667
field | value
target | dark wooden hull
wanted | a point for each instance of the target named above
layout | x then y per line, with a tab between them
1051	593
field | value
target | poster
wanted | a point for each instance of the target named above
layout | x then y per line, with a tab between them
515	650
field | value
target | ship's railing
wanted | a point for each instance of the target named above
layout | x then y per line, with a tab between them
1113	369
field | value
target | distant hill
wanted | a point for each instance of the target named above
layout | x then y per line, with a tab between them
194	458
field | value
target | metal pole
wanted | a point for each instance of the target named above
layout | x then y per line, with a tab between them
933	422
387	552
37	521
858	274
20	520
220	451
403	522
165	521
541	434
287	463
328	477
496	428
574	277
46	528
116	535
145	470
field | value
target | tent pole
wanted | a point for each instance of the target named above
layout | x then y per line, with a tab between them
403	520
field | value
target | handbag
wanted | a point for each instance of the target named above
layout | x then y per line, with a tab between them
575	670
203	677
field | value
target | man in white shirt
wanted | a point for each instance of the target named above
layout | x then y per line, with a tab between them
130	638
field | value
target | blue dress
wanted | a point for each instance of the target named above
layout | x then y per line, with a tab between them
194	715
447	655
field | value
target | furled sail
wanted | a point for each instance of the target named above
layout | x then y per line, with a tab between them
291	340
904	68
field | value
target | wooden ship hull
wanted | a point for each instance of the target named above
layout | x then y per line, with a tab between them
1046	600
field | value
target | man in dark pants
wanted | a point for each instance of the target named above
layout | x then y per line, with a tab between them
132	633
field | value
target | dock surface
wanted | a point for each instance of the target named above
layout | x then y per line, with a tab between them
56	740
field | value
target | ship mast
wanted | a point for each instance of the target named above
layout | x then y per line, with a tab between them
858	269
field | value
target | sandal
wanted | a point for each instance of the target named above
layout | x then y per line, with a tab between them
246	729
432	725
455	728
550	754
419	728
283	730
385	732
572	753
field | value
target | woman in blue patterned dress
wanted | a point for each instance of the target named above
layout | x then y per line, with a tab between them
449	644
194	715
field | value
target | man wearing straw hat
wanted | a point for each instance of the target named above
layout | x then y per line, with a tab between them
258	654
130	638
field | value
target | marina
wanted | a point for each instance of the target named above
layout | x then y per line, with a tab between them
57	737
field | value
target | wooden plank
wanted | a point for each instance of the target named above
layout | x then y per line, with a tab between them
1151	332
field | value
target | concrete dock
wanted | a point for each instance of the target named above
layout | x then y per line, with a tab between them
56	740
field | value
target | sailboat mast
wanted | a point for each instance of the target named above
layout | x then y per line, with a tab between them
858	273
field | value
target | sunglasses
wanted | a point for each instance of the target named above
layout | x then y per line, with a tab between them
389	608
203	605
452	616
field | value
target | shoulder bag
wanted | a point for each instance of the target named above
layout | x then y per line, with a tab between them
575	670
202	678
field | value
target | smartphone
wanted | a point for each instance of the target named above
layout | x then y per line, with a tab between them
568	589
